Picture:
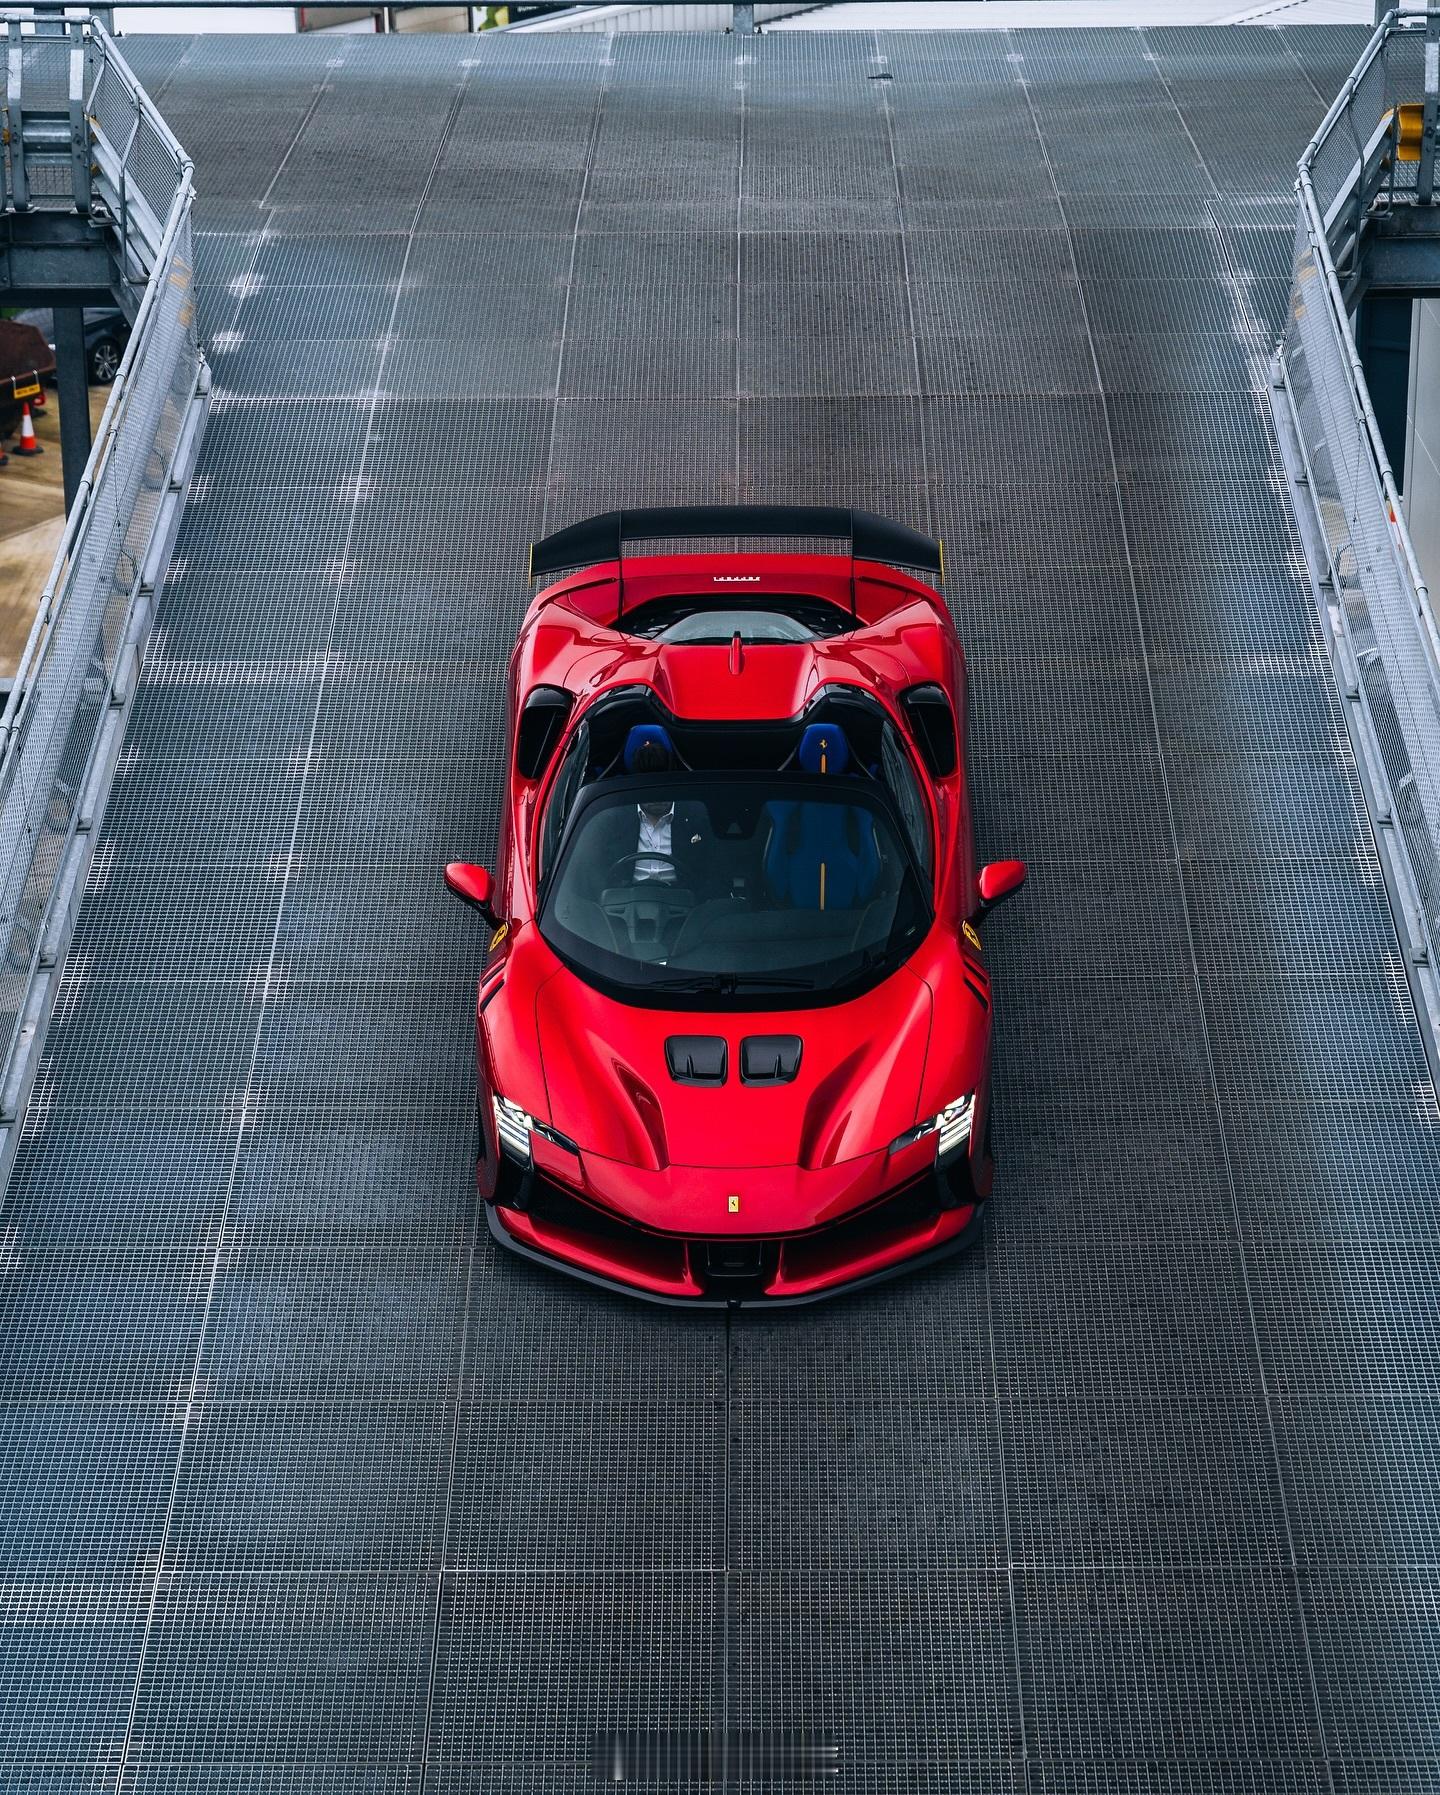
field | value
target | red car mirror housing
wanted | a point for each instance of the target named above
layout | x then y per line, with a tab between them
1000	880
473	885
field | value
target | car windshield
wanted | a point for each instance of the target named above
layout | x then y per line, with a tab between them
742	891
717	617
724	626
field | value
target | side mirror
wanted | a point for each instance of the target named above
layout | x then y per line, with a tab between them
472	885
1000	880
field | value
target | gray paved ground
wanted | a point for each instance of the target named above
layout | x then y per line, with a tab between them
302	1488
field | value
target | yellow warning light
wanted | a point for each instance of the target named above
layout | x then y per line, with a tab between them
1410	130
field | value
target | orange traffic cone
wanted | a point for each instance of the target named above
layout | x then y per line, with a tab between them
27	444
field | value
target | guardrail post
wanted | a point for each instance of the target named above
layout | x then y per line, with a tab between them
125	193
1425	180
79	130
15	116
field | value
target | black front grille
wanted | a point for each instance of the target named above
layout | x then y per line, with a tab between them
737	1267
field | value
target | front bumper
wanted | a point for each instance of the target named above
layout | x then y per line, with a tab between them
919	1223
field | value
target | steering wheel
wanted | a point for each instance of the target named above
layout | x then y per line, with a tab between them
633	861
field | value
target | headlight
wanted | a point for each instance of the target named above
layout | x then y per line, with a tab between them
952	1125
514	1127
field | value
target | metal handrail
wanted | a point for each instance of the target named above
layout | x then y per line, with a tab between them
105	432
1375	607
100	448
113	538
142	99
1320	245
1352	81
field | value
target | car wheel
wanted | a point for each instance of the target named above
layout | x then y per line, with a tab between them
104	361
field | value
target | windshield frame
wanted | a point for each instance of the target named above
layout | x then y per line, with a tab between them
822	617
672	787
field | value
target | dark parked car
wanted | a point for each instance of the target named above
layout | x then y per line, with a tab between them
107	331
26	360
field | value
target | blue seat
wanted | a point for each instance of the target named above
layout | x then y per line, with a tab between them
641	736
821	856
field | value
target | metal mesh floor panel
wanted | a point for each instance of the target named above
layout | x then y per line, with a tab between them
304	1490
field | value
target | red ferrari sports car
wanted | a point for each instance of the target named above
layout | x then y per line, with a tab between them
733	1034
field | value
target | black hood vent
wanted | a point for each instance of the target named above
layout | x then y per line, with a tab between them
769	1059
697	1059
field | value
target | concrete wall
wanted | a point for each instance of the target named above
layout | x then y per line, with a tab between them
1422	440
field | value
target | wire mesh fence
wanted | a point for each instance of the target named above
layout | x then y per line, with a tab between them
53	719
1378	599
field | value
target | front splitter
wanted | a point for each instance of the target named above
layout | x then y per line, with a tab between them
901	1268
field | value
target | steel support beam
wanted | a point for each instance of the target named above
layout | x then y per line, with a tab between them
1399	252
1412	265
72	380
50	255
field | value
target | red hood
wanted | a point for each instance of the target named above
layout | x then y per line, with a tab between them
610	1089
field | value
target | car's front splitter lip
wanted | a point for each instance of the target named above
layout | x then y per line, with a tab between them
865	1281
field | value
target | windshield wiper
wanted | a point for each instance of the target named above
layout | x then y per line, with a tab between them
724	984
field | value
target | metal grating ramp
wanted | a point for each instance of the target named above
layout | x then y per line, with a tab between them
306	1492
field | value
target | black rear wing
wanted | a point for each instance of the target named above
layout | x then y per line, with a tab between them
602	538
